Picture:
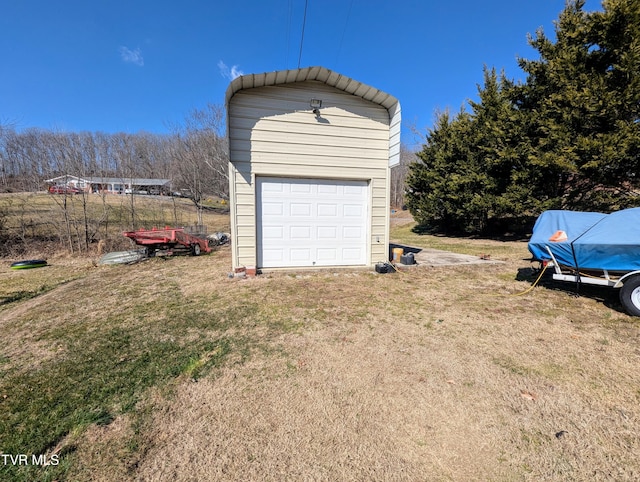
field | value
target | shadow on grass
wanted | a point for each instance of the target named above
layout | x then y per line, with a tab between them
405	249
609	297
105	372
491	234
24	295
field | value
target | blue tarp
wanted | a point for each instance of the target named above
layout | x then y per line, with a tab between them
594	240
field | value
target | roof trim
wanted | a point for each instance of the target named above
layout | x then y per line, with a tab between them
332	79
100	180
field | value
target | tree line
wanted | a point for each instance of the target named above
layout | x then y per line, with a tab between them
193	155
568	137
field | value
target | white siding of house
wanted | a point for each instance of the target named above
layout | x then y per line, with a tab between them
273	132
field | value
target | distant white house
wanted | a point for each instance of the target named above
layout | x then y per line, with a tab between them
310	151
116	185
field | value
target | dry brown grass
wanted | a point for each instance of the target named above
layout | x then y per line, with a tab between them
431	374
39	224
415	378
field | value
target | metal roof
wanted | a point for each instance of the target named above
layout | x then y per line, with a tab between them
333	79
129	180
124	180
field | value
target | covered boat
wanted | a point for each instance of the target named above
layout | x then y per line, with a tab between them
586	240
592	248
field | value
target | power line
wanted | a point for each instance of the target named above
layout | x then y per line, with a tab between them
344	31
304	22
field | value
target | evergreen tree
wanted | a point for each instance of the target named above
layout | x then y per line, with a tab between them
567	137
443	184
582	99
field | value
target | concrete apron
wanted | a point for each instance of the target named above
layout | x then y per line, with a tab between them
430	257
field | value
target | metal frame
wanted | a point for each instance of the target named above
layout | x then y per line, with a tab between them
604	280
168	238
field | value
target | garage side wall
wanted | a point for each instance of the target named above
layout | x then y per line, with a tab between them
273	132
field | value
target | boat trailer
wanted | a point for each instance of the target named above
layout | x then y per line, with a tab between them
627	281
168	239
592	248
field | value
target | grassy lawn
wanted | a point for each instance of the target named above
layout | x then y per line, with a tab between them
169	370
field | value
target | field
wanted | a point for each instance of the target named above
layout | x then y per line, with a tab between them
89	224
169	370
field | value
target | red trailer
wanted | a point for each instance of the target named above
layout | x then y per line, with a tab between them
168	239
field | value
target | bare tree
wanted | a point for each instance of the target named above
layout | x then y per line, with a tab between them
399	174
194	156
200	156
5	169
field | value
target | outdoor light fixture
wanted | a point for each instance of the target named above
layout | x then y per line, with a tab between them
315	105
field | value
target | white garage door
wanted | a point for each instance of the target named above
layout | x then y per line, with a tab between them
311	222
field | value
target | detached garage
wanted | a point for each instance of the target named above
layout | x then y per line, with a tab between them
309	158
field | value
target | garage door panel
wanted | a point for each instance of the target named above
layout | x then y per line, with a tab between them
273	232
353	210
300	232
273	209
329	210
273	187
300	209
273	257
327	232
306	222
352	254
352	233
327	189
327	254
300	188
354	190
300	255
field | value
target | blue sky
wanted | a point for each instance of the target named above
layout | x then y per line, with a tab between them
142	65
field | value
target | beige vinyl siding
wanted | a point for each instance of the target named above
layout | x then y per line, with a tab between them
394	136
284	152
278	125
295	97
273	132
340	146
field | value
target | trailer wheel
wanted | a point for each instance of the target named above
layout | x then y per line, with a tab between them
195	249
630	295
